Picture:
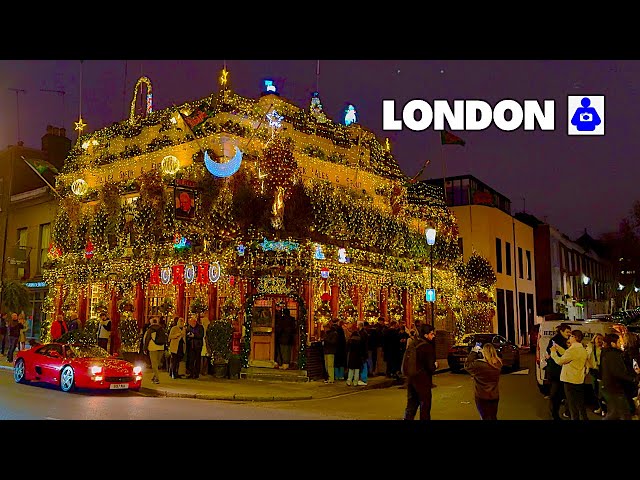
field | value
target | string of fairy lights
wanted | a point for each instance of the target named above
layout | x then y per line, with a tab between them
311	182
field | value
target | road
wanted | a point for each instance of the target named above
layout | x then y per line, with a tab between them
452	400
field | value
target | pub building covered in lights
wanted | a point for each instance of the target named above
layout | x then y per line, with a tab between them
254	204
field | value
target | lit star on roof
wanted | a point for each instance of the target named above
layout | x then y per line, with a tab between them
275	120
80	125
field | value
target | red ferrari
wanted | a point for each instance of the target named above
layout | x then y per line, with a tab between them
74	366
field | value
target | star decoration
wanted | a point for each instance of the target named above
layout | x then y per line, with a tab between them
80	125
223	77
275	120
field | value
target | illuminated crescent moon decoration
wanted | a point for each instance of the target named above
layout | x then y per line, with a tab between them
224	169
214	272
165	275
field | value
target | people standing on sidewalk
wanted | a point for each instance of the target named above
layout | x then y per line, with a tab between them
355	357
593	364
364	338
340	361
58	328
630	347
205	355
616	379
381	366
556	391
484	365
3	332
329	345
195	339
176	347
573	362
372	346
152	349
22	336
391	346
104	331
419	384
73	323
14	334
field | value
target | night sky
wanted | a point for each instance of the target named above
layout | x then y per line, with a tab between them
572	182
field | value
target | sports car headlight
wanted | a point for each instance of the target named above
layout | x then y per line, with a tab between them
96	370
137	370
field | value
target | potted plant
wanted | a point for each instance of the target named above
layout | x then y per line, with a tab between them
198	306
219	337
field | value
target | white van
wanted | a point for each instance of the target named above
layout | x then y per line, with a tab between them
548	328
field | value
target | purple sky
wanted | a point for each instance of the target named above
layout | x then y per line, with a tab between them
574	182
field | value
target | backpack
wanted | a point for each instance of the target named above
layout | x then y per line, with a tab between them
161	337
410	361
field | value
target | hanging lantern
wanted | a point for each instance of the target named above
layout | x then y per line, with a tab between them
189	273
154	277
203	272
88	251
170	165
165	275
178	274
79	187
325	297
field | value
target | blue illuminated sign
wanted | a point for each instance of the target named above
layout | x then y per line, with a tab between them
430	295
269	87
35	284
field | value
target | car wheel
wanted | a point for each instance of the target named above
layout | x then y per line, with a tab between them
19	371
67	379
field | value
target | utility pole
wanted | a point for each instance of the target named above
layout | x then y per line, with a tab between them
62	94
18	92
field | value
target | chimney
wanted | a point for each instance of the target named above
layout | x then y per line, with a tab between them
56	145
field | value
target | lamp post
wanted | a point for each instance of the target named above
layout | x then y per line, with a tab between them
431	240
585	281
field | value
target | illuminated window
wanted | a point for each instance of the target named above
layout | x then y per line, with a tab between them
97	291
22	245
45	240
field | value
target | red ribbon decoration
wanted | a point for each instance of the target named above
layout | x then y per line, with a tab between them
178	274
154	277
203	273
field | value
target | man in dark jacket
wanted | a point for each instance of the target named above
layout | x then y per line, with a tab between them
195	339
556	392
419	385
615	379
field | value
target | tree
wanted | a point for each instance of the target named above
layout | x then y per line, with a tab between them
15	296
623	251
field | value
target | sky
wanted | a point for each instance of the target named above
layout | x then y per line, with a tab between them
572	182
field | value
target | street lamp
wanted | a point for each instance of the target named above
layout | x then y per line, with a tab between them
585	281
431	240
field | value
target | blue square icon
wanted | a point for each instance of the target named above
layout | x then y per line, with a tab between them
585	114
430	295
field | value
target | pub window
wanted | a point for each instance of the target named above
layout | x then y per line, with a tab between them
528	265
22	245
507	253
498	255
97	292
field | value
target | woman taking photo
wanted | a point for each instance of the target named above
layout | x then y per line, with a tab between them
485	369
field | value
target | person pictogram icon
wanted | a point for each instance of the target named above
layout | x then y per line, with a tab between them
586	118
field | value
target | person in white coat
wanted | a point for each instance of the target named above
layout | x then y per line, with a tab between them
573	361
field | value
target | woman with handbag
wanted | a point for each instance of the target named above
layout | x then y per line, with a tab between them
593	362
176	347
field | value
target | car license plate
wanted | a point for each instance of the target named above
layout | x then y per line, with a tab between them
119	386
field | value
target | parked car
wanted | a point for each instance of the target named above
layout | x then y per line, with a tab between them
71	366
507	351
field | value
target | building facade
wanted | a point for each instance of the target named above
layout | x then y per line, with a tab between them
487	227
28	208
572	278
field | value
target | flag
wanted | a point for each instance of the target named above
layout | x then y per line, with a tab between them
42	165
196	119
448	138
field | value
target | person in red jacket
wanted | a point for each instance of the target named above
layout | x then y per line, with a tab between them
58	328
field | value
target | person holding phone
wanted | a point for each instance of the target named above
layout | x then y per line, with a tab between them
484	365
553	370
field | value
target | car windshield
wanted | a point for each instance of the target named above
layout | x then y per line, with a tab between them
89	351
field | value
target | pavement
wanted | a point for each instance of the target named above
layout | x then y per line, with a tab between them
206	387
